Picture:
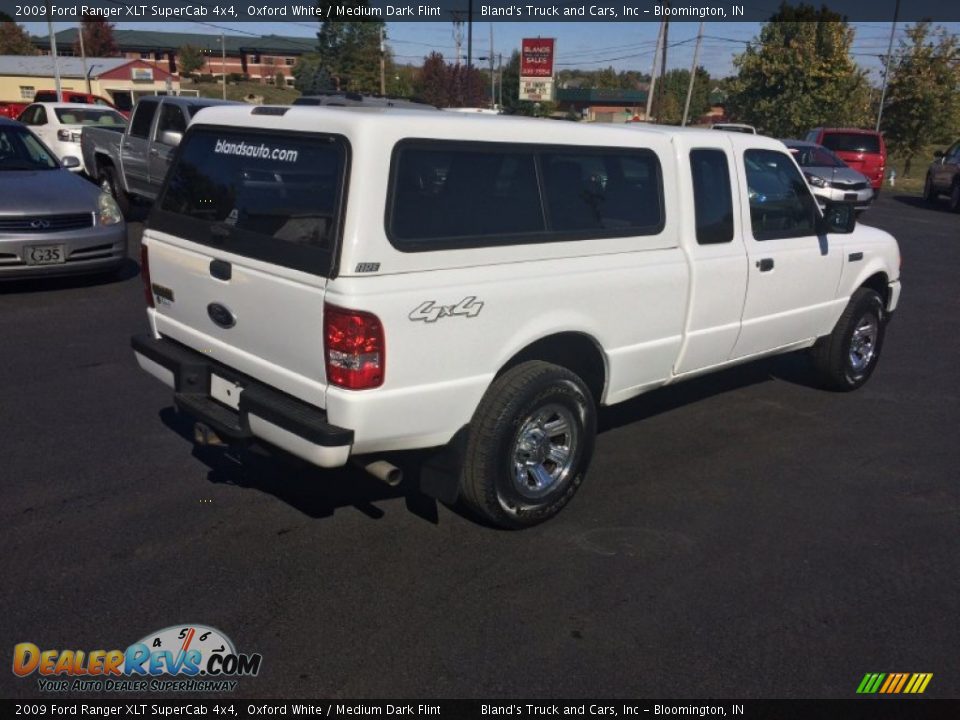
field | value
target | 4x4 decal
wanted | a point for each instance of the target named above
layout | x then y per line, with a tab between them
429	311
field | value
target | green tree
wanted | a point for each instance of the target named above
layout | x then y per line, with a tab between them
350	51
675	85
799	74
98	40
310	77
14	40
923	95
189	59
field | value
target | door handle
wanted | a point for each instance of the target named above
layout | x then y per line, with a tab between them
765	264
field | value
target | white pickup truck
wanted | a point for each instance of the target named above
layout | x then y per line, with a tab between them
342	283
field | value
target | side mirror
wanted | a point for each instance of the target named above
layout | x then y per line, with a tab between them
171	137
938	153
69	162
838	217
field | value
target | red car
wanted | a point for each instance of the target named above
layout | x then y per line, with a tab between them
863	150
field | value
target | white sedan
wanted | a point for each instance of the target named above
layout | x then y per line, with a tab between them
59	125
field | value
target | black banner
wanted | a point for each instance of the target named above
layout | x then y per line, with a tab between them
219	11
865	709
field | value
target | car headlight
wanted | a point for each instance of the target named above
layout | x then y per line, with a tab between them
816	180
108	212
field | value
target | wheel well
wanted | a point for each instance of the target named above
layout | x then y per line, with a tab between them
577	352
879	284
103	160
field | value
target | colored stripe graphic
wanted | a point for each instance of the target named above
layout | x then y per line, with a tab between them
894	683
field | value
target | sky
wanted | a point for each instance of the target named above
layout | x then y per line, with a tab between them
625	46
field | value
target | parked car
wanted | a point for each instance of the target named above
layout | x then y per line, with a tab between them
51	221
862	150
829	177
59	125
72	96
13	109
735	127
343	284
134	163
943	176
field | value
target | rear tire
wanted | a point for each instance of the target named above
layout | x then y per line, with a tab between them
529	445
109	183
846	358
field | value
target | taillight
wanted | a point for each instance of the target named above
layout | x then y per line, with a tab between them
145	275
354	348
63	135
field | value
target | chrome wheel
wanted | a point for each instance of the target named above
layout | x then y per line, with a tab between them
544	450
863	343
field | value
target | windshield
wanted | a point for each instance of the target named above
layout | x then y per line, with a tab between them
852	142
20	150
808	156
91	116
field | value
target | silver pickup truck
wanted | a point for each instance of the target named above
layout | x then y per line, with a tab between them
134	162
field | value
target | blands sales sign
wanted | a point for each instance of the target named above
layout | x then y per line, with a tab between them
536	58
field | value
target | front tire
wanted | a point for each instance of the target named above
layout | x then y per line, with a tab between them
929	194
955	196
529	445
846	358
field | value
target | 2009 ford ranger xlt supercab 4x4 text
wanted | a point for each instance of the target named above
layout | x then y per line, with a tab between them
343	283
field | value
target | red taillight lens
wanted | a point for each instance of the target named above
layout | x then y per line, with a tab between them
354	348
145	275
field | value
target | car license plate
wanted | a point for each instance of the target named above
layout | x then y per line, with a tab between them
45	255
225	391
850	197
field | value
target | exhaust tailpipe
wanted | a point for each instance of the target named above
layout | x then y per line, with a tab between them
203	435
383	471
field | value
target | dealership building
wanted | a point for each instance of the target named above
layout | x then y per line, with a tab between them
120	80
258	58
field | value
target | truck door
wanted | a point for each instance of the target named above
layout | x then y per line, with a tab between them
718	259
171	120
793	271
135	148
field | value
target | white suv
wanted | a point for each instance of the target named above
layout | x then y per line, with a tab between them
342	283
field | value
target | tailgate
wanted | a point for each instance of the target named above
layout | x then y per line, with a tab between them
240	245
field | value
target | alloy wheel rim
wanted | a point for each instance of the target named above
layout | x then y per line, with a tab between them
544	450
863	343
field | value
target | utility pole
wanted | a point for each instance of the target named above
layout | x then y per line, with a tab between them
653	73
663	66
458	35
493	84
693	74
469	34
500	81
223	63
886	72
383	64
83	58
53	52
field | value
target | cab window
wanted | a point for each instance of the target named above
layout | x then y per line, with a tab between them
143	118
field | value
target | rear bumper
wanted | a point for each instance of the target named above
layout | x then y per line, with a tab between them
262	413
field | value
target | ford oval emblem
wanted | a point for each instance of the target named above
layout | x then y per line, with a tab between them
221	315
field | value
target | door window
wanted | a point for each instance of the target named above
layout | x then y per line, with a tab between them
781	205
712	199
171	118
143	118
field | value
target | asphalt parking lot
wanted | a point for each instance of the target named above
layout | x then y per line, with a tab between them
742	535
